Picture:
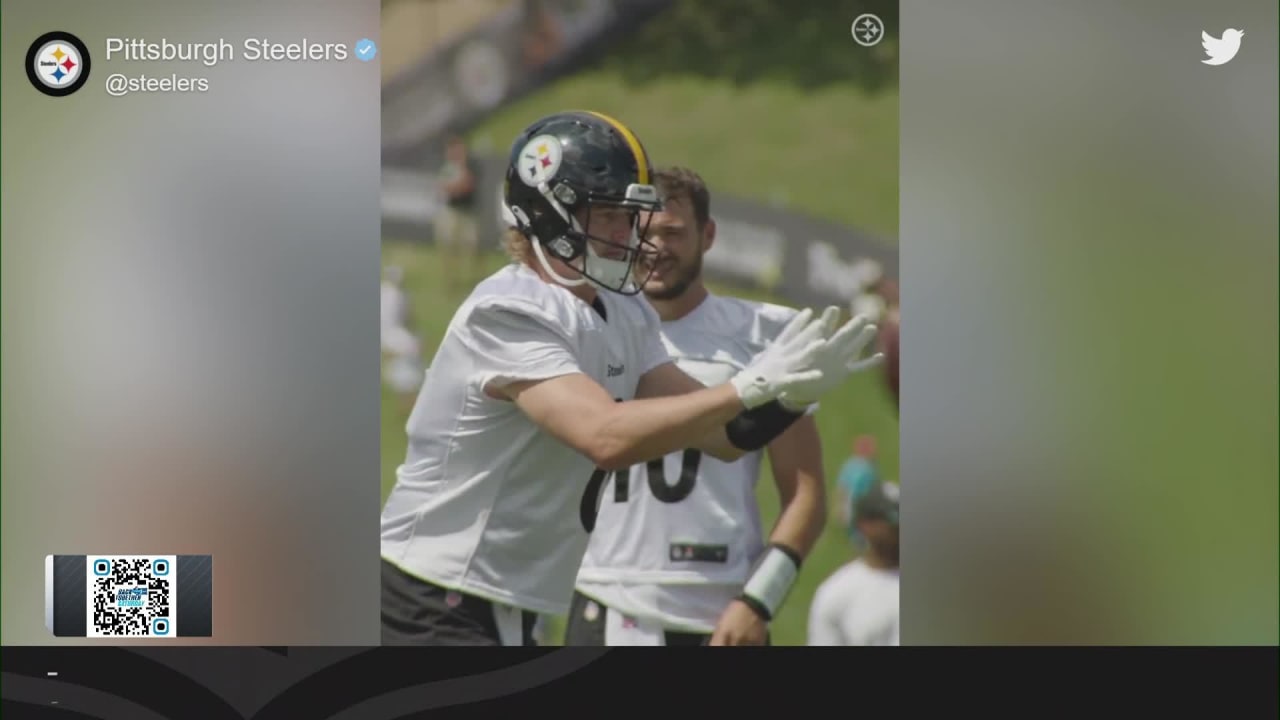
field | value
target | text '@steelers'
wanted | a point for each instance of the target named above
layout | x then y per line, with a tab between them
162	51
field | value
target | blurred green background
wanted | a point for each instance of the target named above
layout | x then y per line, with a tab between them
763	115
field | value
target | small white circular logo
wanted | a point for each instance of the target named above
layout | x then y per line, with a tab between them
591	612
57	64
868	30
539	160
481	74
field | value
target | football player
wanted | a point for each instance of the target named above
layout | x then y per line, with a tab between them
678	556
551	374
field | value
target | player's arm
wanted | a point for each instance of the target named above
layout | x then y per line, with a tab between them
789	363
746	431
521	353
615	435
673	411
796	459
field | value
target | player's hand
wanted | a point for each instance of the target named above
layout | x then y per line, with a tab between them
837	359
740	625
789	361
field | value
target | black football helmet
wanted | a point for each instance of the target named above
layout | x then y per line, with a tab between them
569	161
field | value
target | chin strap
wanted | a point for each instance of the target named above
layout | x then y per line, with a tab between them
514	218
542	260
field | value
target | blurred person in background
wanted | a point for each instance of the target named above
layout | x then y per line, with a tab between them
401	351
543	37
678	556
858	603
456	226
856	472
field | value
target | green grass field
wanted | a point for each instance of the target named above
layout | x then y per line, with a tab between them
762	141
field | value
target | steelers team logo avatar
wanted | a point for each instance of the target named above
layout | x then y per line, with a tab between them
58	64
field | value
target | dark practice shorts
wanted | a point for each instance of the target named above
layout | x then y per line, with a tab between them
586	628
416	612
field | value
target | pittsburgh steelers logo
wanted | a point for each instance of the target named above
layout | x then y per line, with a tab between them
539	160
58	64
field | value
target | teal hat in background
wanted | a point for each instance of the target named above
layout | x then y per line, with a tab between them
876	499
869	498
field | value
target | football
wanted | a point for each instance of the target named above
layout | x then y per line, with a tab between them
888	341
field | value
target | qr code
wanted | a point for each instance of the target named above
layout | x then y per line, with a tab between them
131	595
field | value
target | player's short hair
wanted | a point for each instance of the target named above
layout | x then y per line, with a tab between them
681	182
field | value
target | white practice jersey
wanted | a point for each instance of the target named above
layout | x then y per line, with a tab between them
677	537
856	605
486	502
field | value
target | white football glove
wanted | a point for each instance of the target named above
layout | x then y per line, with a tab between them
834	361
789	361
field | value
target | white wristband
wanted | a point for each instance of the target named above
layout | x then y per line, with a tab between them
772	579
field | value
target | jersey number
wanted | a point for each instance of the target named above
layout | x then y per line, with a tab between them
682	488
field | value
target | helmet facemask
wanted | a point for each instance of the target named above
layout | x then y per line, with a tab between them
620	267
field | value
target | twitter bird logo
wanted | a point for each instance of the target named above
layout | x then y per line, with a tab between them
1221	50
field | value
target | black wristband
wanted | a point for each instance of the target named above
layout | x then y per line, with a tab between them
755	428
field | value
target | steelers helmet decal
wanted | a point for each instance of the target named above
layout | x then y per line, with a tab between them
540	159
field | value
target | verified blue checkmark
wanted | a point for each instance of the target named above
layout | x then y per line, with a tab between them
366	50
